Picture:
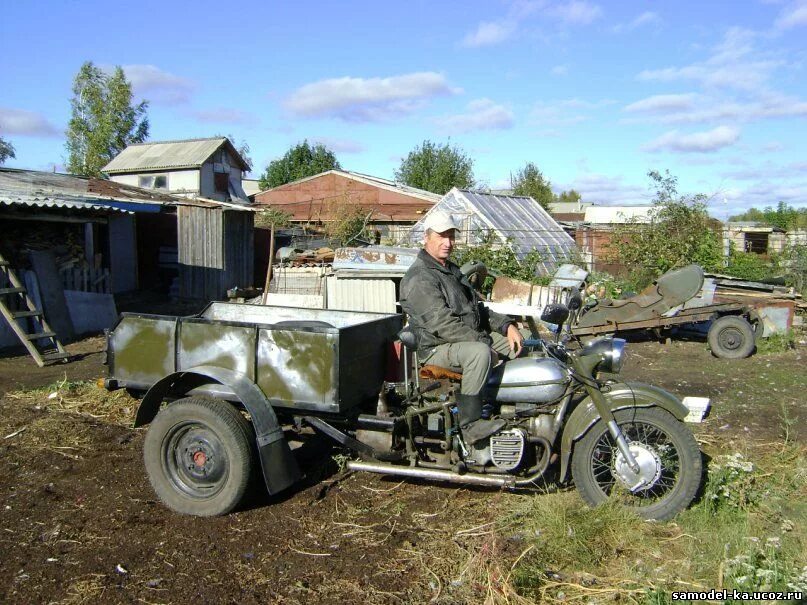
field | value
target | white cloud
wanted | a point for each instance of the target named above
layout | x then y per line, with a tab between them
158	86
519	12
340	145
368	99
562	113
607	190
480	114
732	65
223	115
794	15
663	104
698	142
768	170
735	200
489	33
559	70
576	12
707	108
26	123
646	18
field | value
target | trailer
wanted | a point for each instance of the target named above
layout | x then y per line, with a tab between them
676	298
278	366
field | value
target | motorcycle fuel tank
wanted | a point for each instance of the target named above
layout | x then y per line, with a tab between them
529	379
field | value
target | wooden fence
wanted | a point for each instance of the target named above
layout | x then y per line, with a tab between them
86	280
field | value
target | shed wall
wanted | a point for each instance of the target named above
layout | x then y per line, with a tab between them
215	251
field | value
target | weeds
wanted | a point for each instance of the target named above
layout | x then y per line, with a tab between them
604	554
779	342
730	484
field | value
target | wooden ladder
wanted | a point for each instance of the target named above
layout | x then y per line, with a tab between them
54	350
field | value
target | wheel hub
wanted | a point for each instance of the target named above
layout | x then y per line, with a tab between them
649	467
198	459
730	338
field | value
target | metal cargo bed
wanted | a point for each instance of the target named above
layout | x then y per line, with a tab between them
304	359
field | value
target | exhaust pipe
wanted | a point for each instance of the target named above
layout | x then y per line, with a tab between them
435	475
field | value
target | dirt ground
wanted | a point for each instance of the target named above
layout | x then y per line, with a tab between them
80	524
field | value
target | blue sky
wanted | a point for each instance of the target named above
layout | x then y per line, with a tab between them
594	93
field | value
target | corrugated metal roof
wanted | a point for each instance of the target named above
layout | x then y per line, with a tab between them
61	201
370	180
32	187
189	153
521	220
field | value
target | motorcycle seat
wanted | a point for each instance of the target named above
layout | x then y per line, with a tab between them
430	372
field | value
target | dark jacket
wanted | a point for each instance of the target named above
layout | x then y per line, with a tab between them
443	307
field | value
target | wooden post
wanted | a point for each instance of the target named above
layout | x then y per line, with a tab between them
271	260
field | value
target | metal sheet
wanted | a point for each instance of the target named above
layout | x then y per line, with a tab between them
375	258
298	368
142	349
219	345
362	294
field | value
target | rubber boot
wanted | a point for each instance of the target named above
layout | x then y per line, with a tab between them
473	427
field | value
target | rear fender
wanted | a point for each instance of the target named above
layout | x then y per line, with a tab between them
278	464
619	396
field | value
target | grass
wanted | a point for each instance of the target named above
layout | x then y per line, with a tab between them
82	398
777	343
747	531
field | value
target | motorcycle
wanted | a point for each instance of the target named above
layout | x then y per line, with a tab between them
613	439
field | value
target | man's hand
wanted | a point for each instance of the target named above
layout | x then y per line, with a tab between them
515	339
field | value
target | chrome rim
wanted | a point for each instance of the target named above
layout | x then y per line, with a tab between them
658	458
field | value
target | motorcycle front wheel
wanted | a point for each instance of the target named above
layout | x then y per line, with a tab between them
668	456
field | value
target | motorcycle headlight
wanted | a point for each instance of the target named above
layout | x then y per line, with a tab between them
615	357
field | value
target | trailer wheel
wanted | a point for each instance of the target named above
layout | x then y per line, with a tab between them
198	456
731	337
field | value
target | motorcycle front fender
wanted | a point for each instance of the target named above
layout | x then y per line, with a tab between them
619	396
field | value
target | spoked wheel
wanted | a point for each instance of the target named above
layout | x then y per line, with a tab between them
667	454
198	456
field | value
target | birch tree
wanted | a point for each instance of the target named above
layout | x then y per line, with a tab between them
104	119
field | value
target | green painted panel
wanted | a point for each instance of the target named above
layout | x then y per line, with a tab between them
143	349
219	345
298	367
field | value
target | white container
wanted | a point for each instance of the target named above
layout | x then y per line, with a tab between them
698	408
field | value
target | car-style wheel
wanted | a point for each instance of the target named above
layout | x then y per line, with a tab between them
198	456
731	337
669	461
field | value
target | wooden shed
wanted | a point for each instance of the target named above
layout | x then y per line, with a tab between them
215	250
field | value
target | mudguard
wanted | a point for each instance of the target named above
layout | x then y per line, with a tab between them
619	396
280	469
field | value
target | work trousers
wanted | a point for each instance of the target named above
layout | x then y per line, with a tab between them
473	359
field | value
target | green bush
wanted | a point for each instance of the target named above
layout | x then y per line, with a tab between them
750	266
501	260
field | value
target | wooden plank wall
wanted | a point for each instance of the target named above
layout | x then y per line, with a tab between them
215	251
239	249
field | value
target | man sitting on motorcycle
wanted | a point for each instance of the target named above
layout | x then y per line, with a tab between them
454	329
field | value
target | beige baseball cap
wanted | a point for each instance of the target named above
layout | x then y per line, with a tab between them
440	222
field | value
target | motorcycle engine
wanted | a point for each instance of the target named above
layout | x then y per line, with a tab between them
505	450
